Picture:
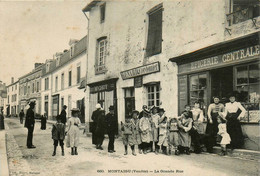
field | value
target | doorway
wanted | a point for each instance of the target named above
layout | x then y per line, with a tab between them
222	83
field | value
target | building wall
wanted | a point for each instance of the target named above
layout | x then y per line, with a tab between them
13	90
46	93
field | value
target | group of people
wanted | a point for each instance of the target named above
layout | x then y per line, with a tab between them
151	130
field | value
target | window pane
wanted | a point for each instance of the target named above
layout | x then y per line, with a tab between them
202	81
243	93
254	73
242	75
194	95
254	93
194	82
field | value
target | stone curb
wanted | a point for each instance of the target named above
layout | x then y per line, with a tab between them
4	169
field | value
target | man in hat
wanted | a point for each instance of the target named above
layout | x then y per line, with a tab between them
94	117
63	115
29	124
111	122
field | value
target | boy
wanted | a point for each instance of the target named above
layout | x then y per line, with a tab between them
58	135
173	135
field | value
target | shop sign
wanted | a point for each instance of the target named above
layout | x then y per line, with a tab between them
103	87
139	71
231	57
138	82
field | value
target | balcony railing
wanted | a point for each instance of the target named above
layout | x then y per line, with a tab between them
243	14
99	69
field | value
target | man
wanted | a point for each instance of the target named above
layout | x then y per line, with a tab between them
111	122
94	117
21	115
63	115
29	124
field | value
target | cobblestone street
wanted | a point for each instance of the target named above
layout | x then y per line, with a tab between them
39	161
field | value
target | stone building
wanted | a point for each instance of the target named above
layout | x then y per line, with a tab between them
3	97
13	98
172	53
63	78
30	89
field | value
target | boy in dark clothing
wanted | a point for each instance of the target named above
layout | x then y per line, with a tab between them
58	135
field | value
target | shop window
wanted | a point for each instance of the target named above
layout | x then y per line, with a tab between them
247	86
101	55
101	99
154	38
242	10
102	12
153	95
198	88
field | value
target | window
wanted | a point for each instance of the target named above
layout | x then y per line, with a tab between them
25	90
78	74
62	102
129	101
46	83
101	55
28	89
70	78
101	99
37	87
12	88
247	84
15	87
153	92
198	88
32	87
62	81
154	38
56	83
102	12
242	10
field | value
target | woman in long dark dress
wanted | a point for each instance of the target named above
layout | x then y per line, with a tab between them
233	112
43	121
215	109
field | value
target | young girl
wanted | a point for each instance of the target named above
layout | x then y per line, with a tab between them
154	129
163	131
73	131
173	135
222	131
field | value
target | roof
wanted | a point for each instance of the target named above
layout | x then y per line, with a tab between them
90	5
39	68
13	83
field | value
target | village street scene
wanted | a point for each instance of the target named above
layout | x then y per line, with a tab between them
160	87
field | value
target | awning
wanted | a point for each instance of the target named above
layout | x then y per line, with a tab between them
219	48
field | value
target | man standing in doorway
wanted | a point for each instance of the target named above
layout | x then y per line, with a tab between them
29	124
21	115
63	115
111	122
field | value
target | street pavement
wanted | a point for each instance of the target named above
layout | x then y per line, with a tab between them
90	161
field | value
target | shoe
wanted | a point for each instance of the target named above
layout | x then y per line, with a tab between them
31	147
177	152
133	153
156	152
110	151
113	150
187	152
72	151
76	152
125	153
62	153
100	148
140	151
145	152
54	153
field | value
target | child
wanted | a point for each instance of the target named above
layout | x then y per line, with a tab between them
154	129
58	135
135	138
173	135
163	133
222	131
127	133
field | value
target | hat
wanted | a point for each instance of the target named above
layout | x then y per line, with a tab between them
64	106
135	111
161	109
144	107
232	94
111	108
98	106
153	107
32	103
146	111
75	110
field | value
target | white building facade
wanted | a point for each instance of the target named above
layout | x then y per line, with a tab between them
13	98
145	53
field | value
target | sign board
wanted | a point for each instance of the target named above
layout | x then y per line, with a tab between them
139	71
103	87
138	82
220	60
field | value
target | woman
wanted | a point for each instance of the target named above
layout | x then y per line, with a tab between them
100	129
197	127
215	110
145	126
43	121
233	112
185	125
73	131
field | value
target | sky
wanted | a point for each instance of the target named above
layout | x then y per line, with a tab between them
33	31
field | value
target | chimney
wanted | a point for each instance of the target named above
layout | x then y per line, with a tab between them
12	80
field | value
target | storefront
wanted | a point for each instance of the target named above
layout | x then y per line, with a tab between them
219	70
104	93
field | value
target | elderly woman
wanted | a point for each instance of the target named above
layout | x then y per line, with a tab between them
215	110
73	131
233	112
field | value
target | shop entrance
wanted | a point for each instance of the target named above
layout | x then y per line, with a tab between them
222	83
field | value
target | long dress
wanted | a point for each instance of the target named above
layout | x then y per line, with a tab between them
144	126
222	131
135	138
155	127
212	129
184	136
198	129
163	138
232	112
73	133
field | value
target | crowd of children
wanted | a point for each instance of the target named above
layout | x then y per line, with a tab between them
151	130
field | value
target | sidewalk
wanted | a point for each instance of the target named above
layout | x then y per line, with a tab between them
4	170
